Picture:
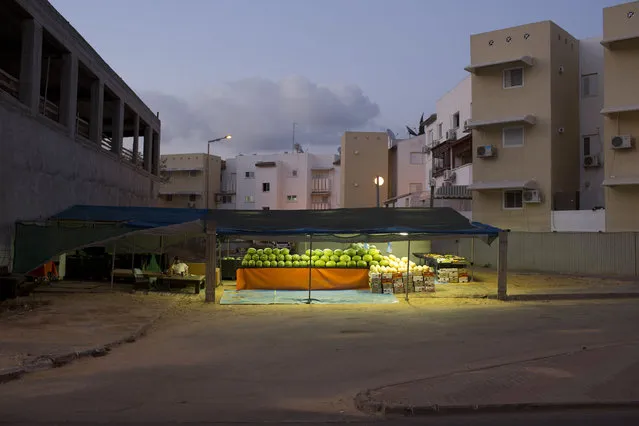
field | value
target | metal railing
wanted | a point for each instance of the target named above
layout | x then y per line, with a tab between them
9	84
320	206
321	185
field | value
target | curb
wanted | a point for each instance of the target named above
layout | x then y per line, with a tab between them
571	296
55	361
365	403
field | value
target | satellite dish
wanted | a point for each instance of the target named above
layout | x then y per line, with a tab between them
391	135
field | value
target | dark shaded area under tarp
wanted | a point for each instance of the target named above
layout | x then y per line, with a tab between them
82	226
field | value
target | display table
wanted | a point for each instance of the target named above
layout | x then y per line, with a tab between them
297	279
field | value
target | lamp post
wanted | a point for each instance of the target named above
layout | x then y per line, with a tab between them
379	181
208	162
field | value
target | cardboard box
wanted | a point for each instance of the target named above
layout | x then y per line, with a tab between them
388	288
398	286
376	288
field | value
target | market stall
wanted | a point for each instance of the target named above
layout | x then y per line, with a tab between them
448	268
360	227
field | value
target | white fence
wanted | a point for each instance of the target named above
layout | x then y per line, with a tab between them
579	221
577	253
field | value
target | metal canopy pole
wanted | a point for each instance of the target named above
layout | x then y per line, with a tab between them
472	259
113	263
310	267
407	272
133	255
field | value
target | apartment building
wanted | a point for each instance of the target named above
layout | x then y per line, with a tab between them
621	116
71	130
185	180
364	157
406	169
282	181
525	125
591	190
449	148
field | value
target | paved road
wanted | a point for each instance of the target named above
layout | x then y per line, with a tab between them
581	418
303	363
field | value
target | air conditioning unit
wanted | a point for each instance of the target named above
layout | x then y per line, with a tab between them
486	151
466	128
621	142
449	175
532	196
426	149
191	204
451	134
591	161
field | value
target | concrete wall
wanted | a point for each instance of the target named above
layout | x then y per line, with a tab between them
621	62
565	137
456	100
43	171
406	172
591	193
364	156
579	221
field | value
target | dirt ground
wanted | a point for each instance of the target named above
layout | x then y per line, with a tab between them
51	324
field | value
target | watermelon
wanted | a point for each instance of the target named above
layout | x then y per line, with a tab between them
352	264
296	263
330	264
245	263
281	264
258	264
367	258
320	263
341	264
296	257
251	251
268	251
361	264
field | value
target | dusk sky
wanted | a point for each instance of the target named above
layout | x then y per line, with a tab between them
253	67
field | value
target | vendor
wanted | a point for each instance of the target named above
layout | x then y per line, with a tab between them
178	267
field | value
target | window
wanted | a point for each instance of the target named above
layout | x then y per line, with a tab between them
430	136
291	198
586	145
192	197
192	173
416	158
589	85
294	173
227	199
414	187
513	77
513	200
249	175
169	197
440	130
249	199
455	122
266	187
513	137
266	208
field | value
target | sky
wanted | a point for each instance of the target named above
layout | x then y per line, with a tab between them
252	68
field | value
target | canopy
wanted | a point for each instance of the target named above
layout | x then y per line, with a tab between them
82	226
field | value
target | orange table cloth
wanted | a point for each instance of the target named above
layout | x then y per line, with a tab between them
297	279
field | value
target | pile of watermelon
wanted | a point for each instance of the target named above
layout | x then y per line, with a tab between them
356	256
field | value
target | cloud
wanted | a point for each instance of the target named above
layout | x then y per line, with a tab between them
260	113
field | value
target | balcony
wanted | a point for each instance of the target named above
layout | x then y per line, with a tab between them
320	206
321	186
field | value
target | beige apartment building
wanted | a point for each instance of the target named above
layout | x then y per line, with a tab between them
525	125
184	180
364	156
621	116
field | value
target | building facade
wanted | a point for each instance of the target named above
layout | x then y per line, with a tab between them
525	125
185	180
364	157
283	181
72	130
621	112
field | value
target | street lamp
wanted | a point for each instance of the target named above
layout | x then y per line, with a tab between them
379	181
208	162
